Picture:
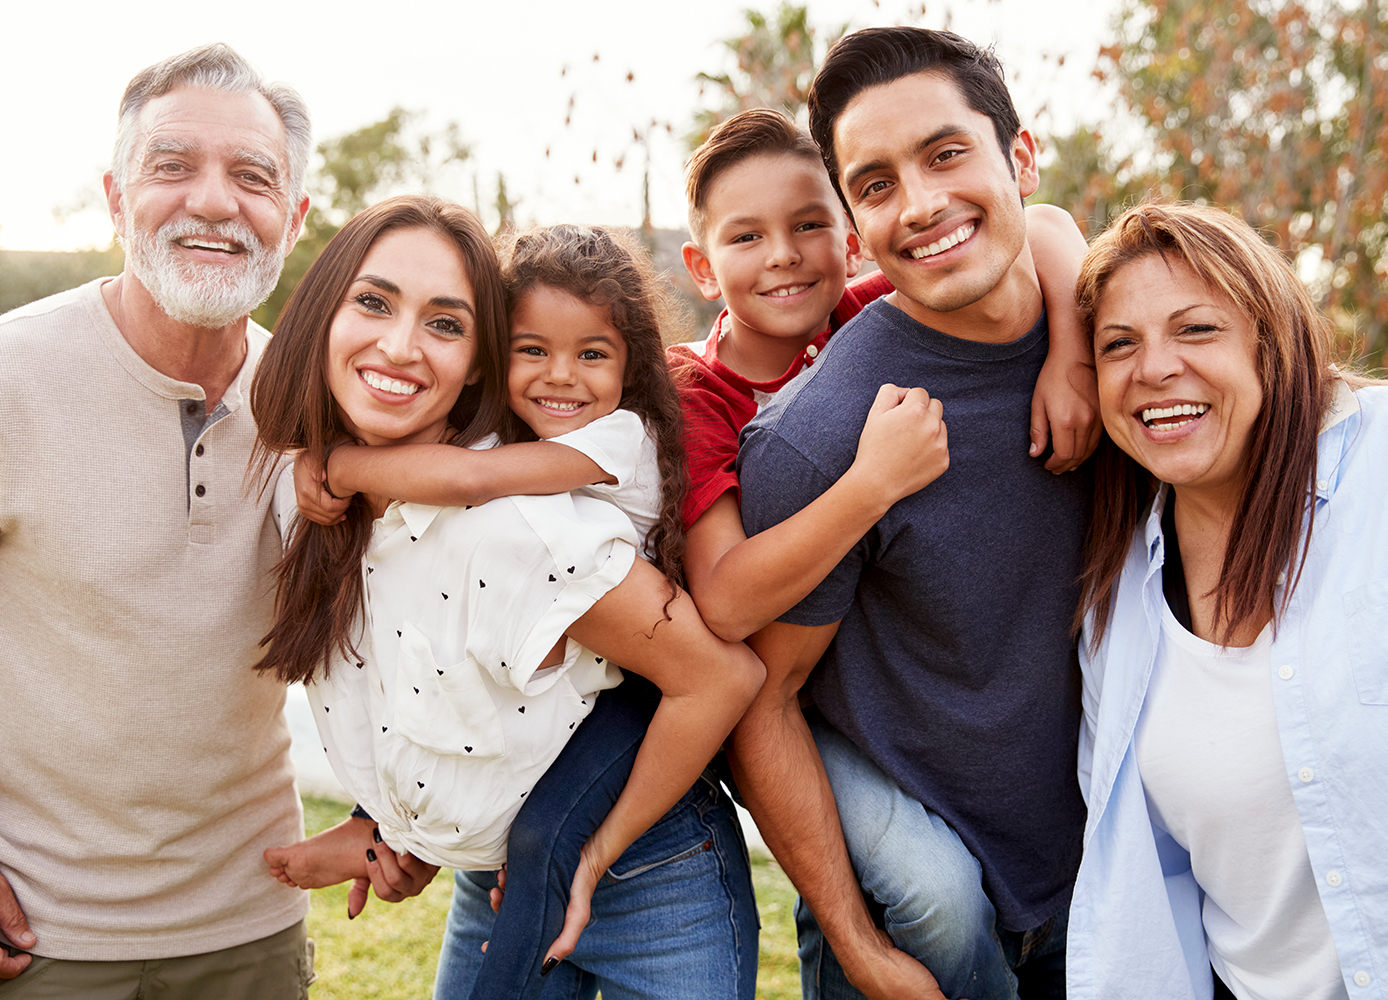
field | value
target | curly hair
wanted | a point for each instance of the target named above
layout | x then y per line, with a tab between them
609	269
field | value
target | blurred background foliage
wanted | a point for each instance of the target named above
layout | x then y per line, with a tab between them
1275	109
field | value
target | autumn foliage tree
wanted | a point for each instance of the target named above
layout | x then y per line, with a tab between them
1277	110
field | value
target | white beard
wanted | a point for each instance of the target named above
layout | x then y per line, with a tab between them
204	294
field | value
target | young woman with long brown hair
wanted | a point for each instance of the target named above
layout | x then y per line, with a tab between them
443	643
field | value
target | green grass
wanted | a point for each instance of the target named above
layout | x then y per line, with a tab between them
389	952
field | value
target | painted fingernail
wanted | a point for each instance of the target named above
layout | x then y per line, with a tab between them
376	834
549	966
370	855
350	914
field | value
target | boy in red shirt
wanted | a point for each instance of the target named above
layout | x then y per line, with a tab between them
772	239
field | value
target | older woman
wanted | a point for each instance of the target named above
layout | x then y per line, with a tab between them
1234	752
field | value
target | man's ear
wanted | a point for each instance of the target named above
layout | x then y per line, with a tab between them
296	228
114	204
1024	162
696	262
855	253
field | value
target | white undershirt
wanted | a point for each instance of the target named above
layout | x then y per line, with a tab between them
1212	767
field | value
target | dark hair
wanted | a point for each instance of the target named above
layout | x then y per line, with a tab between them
1294	349
755	132
320	600
609	269
876	56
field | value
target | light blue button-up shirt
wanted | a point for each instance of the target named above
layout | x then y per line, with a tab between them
1135	929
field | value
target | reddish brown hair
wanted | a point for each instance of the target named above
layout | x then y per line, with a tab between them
1294	346
320	602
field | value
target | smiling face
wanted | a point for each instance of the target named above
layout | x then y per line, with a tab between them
204	209
937	204
567	362
401	345
1179	387
778	248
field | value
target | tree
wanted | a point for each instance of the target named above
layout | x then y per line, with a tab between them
775	61
360	168
1278	110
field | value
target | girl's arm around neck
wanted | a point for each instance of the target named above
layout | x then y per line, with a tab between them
443	475
1065	406
742	584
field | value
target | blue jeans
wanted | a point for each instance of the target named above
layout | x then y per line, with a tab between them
927	890
674	917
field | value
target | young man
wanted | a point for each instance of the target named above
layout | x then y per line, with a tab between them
771	238
947	703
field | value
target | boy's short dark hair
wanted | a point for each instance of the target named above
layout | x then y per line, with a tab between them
876	56
748	133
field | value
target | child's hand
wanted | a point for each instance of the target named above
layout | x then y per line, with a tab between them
904	446
311	492
586	878
1065	404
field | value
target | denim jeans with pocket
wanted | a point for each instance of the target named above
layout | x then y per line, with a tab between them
673	918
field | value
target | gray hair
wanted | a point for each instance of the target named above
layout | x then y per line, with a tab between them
217	67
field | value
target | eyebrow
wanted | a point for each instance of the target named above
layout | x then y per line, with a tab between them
258	159
941	133
1179	312
440	301
185	147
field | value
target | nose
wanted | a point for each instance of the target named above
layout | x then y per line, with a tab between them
922	199
1158	360
397	342
559	369
212	197
784	252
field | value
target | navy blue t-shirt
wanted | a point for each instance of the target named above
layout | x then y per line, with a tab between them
953	668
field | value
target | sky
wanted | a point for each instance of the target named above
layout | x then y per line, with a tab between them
508	73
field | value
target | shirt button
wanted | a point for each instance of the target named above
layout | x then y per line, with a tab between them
198	451
1333	878
812	351
1281	579
191	409
1322	484
201	490
1361	979
1285	672
1305	774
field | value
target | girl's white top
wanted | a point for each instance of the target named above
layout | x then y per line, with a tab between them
1213	769
443	723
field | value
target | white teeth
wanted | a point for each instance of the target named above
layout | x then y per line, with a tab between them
1167	412
940	246
558	404
208	245
780	293
389	384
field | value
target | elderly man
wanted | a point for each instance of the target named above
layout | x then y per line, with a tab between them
146	764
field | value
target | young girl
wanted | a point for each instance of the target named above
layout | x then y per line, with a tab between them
443	681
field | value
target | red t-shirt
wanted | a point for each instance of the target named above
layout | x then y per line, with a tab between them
718	402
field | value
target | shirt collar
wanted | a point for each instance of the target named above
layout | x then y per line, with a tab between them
415	516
